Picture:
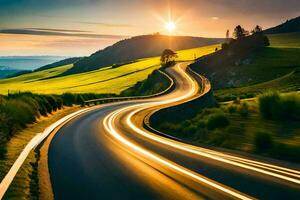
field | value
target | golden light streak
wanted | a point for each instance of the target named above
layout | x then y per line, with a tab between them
232	160
215	155
108	124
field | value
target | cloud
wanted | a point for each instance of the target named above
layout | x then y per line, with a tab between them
215	18
104	24
47	32
58	30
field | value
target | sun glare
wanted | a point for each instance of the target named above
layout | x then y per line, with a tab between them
170	26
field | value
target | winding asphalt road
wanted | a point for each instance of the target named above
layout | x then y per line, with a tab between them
107	154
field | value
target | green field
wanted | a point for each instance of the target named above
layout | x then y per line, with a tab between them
290	40
104	80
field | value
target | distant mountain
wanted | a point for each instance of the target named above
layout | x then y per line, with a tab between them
28	62
138	47
289	26
66	61
7	71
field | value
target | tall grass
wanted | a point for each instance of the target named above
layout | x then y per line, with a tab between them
274	106
20	109
217	120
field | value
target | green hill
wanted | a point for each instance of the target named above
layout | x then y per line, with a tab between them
7	71
275	67
66	61
105	80
136	48
289	26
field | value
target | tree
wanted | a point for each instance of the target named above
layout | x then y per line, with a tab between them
240	32
227	34
167	56
257	29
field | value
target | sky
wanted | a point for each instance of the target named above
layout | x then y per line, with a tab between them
81	27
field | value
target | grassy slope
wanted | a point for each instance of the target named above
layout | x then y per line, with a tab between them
290	40
239	134
275	67
271	68
105	80
20	188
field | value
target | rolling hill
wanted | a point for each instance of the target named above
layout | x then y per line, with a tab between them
28	62
66	61
275	67
105	80
289	26
7	71
138	47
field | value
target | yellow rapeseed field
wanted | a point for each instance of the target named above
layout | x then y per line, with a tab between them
104	80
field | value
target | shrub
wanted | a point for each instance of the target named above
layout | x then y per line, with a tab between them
47	104
52	102
21	112
250	95
19	109
269	104
290	107
34	105
59	102
79	100
244	110
219	138
286	152
68	99
232	109
201	124
262	142
217	120
275	106
42	105
229	98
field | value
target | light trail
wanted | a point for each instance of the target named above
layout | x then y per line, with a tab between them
108	125
233	160
256	166
217	156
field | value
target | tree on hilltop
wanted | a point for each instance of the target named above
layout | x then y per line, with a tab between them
167	56
257	29
240	32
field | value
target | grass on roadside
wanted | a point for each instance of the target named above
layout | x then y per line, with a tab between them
20	188
242	125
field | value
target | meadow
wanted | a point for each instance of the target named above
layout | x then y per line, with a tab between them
290	40
105	80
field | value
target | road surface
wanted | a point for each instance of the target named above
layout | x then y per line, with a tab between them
107	154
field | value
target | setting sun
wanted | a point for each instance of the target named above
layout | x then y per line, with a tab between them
170	26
